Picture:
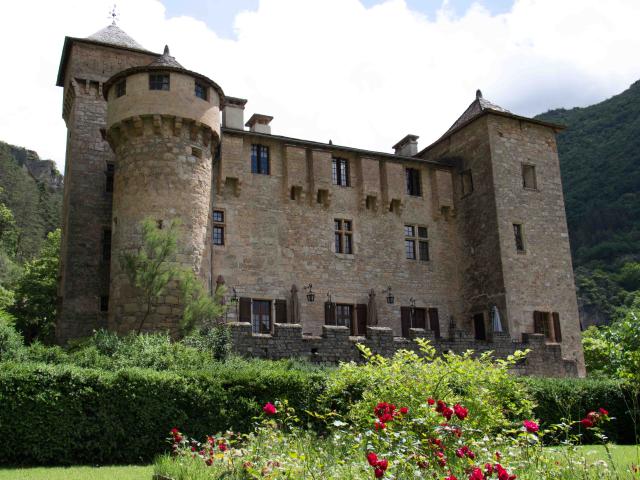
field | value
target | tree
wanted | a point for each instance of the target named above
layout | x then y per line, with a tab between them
36	292
150	269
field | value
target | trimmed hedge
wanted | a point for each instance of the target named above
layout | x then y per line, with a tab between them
572	398
63	415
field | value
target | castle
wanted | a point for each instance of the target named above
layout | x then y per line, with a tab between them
463	242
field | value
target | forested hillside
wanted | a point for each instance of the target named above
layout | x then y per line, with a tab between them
32	189
600	162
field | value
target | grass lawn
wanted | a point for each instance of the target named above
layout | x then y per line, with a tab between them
623	455
77	473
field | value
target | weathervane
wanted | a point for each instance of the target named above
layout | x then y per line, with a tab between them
113	13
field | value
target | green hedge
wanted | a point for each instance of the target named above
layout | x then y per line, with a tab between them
61	414
572	398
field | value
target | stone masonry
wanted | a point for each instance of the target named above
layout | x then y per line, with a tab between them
464	242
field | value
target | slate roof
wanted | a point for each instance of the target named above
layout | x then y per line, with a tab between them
165	60
114	35
477	107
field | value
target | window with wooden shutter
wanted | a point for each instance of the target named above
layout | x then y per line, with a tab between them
434	321
405	320
419	318
281	311
261	316
361	319
537	322
244	311
329	313
556	327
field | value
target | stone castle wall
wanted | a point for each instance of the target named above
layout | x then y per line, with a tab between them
335	345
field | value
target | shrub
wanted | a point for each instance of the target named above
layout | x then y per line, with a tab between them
569	398
11	342
64	414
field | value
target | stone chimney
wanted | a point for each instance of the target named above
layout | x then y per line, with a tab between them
259	123
408	146
233	113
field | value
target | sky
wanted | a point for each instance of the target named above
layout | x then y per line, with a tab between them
362	73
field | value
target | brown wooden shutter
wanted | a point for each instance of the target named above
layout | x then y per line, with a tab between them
245	310
281	311
556	327
329	313
361	319
405	320
538	321
434	321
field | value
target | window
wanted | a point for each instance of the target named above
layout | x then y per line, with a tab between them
104	303
218	227
343	236
478	327
158	81
121	88
413	182
467	182
201	90
106	245
548	324
344	315
416	236
519	238
260	159
340	172
111	168
529	176
261	316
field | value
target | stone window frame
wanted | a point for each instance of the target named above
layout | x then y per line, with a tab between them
519	238
121	88
160	81
343	236
548	324
220	225
257	159
416	239
532	168
340	308
413	185
201	90
466	174
340	171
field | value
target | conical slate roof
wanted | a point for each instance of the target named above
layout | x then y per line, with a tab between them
478	106
114	35
165	60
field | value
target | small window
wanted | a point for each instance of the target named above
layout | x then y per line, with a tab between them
344	315
343	236
121	88
261	316
518	236
104	303
218	227
106	245
158	81
340	172
109	173
201	90
196	152
413	182
416	236
467	182
529	176
260	159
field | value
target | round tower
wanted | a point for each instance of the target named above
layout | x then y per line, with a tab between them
163	123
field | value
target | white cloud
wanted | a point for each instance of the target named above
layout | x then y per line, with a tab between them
333	69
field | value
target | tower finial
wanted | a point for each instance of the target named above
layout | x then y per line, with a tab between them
166	50
478	94
113	13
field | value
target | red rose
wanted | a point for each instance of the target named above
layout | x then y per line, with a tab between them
380	425
209	462
587	422
222	447
404	410
431	401
378	472
603	412
174	431
372	458
441	406
460	411
383	464
269	409
447	413
531	426
451	477
476	474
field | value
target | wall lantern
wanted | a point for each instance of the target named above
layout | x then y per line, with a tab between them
311	296
390	298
